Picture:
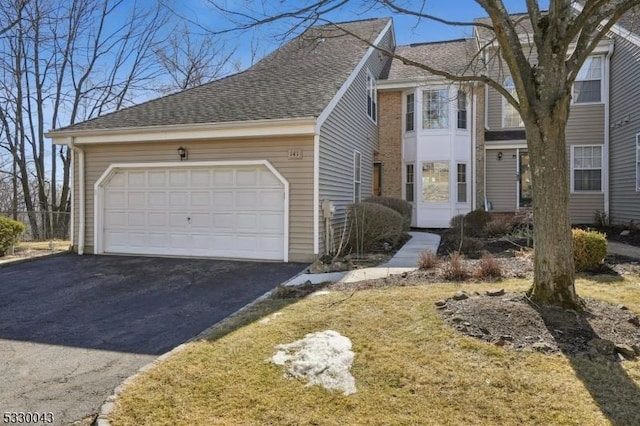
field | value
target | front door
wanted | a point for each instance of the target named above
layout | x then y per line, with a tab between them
525	196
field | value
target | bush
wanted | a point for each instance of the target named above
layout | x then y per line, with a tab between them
600	218
455	269
371	225
589	249
401	206
10	233
476	221
428	260
488	267
498	227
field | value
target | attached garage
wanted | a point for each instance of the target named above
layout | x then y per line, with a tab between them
209	209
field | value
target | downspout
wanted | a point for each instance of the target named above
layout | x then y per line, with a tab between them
474	174
605	153
82	196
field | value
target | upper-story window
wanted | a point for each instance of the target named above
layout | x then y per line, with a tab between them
510	116
435	114
638	162
410	115
372	97
588	85
462	109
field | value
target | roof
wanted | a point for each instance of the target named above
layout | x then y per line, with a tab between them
452	56
297	80
521	20
630	21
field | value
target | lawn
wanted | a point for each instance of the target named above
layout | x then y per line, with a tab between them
409	367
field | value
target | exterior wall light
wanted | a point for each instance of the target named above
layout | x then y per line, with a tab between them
182	152
499	155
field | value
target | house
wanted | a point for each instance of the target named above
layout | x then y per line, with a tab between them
446	167
264	163
240	167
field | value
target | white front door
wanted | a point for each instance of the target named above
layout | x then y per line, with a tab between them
219	211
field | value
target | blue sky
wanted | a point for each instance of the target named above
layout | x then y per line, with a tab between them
408	29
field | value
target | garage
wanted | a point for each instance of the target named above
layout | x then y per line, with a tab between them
223	210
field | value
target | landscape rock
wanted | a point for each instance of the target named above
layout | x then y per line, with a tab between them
441	302
461	295
542	347
457	319
635	320
626	351
625	233
602	346
495	292
636	348
623	307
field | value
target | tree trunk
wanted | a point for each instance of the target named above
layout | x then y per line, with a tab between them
554	271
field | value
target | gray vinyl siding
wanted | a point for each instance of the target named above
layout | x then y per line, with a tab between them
501	179
348	128
299	174
625	124
583	206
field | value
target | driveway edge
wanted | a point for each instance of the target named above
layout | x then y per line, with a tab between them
107	407
18	261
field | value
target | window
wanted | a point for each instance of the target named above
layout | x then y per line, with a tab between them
586	168
436	109
588	87
410	116
371	96
357	176
462	183
638	162
435	181
462	110
409	185
510	116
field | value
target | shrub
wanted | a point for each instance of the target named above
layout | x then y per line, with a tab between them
372	225
476	221
455	269
401	206
427	260
600	218
589	249
456	223
488	267
10	233
498	227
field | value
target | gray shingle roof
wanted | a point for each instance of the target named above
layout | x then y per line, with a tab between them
630	21
297	80
452	56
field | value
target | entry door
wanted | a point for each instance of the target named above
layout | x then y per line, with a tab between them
526	194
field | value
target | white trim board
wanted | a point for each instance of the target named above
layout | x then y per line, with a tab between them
98	198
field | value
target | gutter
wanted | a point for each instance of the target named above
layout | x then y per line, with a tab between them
474	134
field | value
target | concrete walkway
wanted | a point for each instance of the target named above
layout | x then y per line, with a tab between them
623	249
405	260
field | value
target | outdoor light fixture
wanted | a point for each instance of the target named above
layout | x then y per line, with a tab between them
499	155
182	152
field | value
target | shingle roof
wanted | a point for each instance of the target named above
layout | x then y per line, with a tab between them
630	21
297	80
521	20
452	56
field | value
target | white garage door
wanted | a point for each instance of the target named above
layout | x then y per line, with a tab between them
221	211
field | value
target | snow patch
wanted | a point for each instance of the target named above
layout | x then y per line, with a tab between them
322	358
268	319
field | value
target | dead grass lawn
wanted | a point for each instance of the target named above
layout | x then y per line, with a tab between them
409	367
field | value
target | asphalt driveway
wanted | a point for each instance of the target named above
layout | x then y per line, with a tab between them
73	327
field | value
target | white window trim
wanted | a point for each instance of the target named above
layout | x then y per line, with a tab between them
467	110
405	111
373	92
602	86
466	182
506	103
638	162
602	169
448	109
357	179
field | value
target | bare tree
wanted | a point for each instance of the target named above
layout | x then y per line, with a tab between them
562	38
189	60
65	61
